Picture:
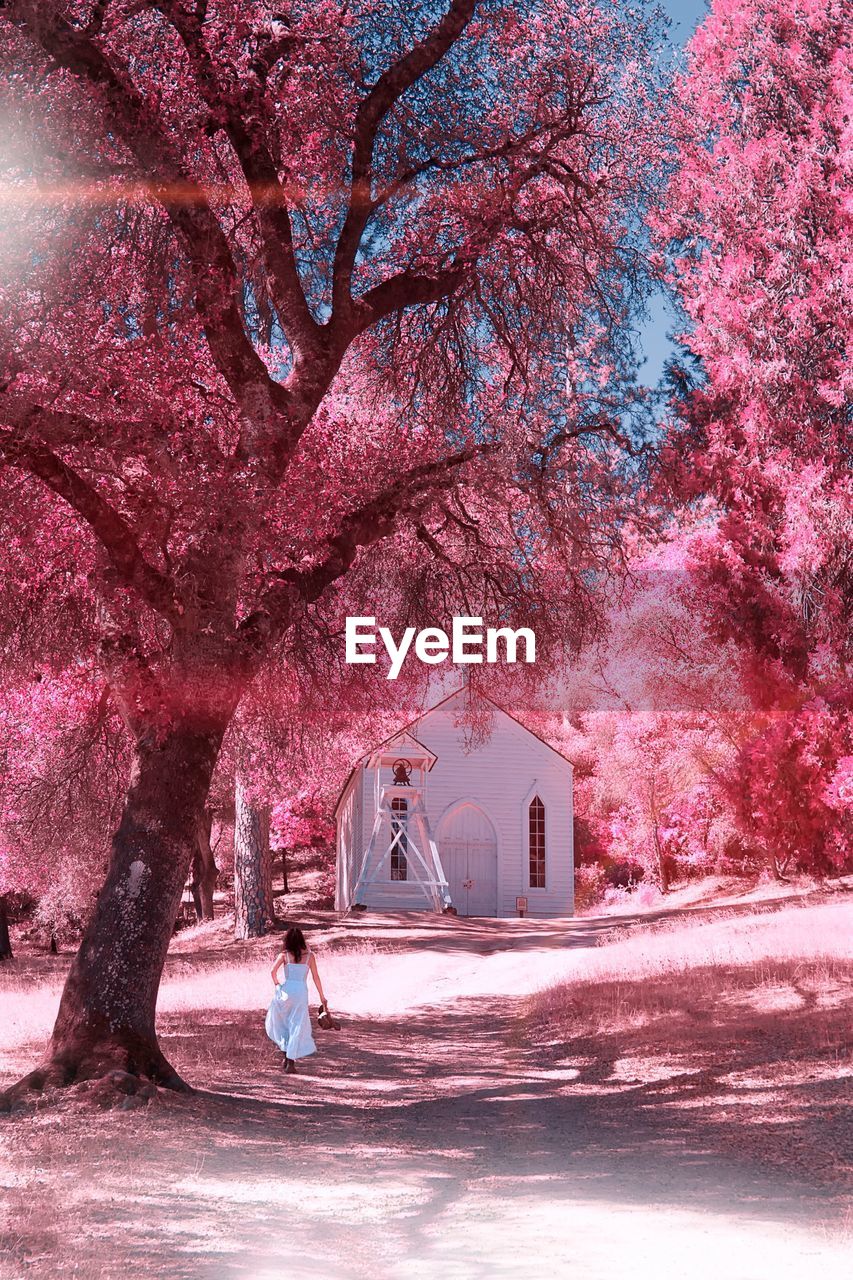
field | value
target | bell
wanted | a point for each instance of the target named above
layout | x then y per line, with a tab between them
402	773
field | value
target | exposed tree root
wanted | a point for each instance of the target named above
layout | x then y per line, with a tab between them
112	1074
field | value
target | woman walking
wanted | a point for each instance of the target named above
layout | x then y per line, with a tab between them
288	1022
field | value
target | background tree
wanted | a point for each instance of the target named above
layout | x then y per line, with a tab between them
757	221
65	763
203	868
5	940
274	294
254	909
653	716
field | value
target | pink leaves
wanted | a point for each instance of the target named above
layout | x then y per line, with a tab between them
756	210
792	779
839	793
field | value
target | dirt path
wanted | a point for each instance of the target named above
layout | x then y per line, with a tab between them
433	1143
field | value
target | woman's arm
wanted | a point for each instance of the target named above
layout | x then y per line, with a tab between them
279	961
312	965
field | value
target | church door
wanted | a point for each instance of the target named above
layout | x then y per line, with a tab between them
469	855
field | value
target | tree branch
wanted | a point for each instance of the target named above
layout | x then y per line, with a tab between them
389	88
112	532
406	289
368	524
265	405
599	425
54	427
230	101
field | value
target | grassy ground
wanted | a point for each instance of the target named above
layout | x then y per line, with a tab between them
747	1016
666	1097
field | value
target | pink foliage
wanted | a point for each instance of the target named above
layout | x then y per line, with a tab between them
65	769
789	780
757	216
302	821
285	316
757	457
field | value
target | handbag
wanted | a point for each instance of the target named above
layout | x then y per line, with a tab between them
326	1020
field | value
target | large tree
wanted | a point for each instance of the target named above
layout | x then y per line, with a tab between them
757	221
760	452
281	285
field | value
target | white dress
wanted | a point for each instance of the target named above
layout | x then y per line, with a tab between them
288	1021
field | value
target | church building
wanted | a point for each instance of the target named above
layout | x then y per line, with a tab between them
438	819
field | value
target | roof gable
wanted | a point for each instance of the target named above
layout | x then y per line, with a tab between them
401	743
465	689
406	731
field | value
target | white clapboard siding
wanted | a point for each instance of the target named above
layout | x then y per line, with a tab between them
478	803
349	814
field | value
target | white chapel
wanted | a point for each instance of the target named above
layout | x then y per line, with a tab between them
430	820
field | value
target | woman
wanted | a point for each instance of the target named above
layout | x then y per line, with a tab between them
288	1022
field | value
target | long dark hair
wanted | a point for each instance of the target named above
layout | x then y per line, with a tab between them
294	943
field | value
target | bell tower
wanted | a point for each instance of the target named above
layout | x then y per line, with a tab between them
401	845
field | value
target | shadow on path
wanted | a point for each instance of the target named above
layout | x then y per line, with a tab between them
458	1085
453	1142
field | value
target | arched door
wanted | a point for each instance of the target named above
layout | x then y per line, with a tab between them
468	849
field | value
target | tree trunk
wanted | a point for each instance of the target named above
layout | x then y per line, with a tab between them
106	1015
5	940
779	866
204	870
253	898
663	869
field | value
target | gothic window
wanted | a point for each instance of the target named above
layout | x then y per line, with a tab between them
536	819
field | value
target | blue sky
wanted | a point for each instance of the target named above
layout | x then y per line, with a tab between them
656	346
685	15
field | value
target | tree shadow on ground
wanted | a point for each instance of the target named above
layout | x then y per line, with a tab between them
472	1086
426	930
403	1138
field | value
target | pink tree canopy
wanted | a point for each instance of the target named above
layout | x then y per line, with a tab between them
277	289
758	456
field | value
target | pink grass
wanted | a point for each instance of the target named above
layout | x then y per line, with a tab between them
671	1094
